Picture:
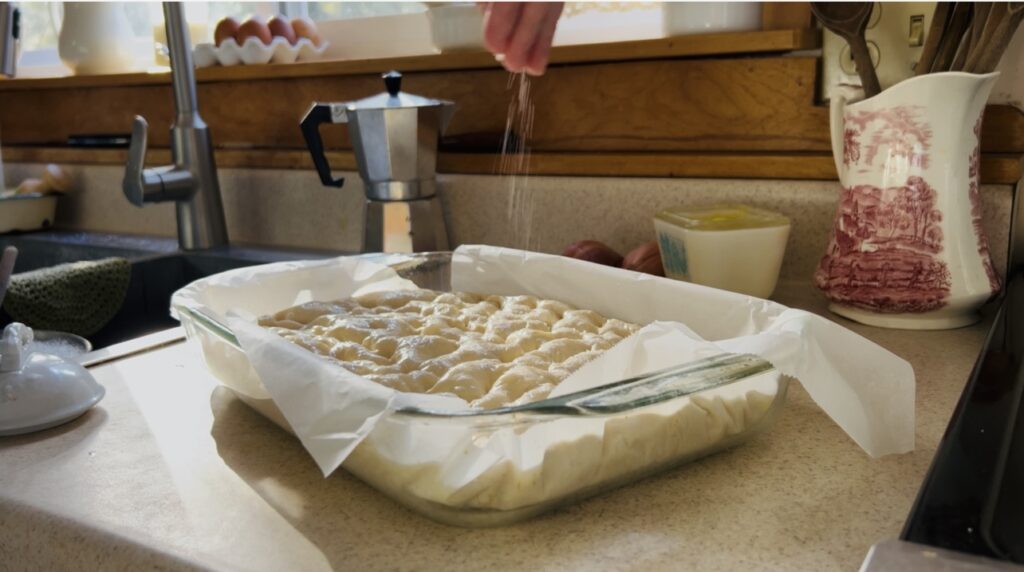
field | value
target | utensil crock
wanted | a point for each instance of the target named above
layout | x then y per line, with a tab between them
907	248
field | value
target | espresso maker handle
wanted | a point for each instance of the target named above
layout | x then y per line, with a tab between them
318	114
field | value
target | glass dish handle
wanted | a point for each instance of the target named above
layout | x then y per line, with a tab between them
656	387
639	391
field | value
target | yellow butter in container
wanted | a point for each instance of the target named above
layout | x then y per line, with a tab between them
732	247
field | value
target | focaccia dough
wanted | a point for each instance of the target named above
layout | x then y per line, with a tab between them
491	351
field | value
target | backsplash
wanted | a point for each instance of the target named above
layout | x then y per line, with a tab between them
619	211
289	208
263	206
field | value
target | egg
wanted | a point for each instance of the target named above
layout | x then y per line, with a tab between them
305	28
253	27
281	27
226	28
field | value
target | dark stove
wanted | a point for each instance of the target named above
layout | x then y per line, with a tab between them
972	499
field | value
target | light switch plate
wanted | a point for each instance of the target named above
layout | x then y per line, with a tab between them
890	37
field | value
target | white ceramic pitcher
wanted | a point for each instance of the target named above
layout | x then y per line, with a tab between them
95	38
907	248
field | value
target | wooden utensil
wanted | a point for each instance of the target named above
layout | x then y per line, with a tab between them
996	14
964	46
981	12
952	36
1002	23
940	18
849	20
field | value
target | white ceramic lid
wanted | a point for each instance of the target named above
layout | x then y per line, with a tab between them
37	390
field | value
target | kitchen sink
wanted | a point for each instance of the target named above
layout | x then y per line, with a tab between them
158	270
44	249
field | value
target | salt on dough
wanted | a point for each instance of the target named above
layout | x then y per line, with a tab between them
491	351
501	350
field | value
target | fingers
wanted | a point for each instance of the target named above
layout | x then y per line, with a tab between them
521	33
537	60
525	35
500	21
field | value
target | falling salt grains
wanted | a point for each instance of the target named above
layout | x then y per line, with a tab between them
514	162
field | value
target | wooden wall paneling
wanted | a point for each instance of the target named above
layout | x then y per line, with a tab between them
785	15
760	104
1001	169
49	116
699	105
745	104
753	104
813	166
995	169
1002	130
266	113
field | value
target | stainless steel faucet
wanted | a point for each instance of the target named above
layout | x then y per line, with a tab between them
192	180
10	32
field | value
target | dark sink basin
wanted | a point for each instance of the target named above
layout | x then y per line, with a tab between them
158	270
146	307
44	249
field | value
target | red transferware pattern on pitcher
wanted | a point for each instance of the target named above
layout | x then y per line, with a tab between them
975	196
900	130
882	253
907	248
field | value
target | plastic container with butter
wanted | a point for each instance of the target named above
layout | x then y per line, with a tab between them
733	247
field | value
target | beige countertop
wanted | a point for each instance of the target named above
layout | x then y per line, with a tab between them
172	472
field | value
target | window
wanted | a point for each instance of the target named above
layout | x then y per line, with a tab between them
37	29
349	10
40	24
582	22
599	22
41	20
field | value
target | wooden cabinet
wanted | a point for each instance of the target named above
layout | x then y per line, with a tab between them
716	105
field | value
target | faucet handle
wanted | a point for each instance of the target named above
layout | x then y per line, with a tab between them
134	176
143	185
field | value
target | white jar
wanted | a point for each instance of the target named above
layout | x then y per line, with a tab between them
732	247
456	26
683	18
96	38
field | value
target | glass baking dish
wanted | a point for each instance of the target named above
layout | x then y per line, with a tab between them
509	464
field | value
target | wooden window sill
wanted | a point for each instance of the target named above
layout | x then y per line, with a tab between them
997	169
731	43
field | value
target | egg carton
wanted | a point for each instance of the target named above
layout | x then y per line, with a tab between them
253	51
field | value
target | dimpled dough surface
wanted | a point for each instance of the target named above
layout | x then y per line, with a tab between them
491	351
501	350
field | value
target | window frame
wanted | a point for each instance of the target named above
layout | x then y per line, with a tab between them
45	62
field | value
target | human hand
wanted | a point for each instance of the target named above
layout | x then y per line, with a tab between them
522	33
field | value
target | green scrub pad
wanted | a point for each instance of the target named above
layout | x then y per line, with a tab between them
78	297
